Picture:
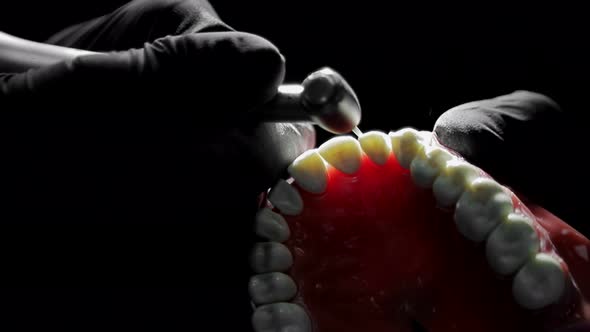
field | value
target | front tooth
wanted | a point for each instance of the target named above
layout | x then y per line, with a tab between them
270	257
342	152
428	164
511	244
271	287
286	198
481	208
376	145
406	143
271	226
309	171
540	282
452	181
281	317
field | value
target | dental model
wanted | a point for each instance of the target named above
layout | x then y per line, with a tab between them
393	233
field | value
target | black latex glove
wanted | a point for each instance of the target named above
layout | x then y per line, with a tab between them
140	169
527	142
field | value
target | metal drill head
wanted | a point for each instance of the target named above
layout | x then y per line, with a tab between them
330	101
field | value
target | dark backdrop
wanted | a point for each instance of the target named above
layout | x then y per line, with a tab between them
407	61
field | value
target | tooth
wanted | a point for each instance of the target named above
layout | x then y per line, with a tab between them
280	317
286	198
428	164
270	257
481	208
342	152
271	226
376	145
425	136
452	181
540	282
309	171
406	143
511	244
271	287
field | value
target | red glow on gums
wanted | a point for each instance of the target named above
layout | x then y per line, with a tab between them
374	253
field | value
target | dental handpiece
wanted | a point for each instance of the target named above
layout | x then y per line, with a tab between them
324	98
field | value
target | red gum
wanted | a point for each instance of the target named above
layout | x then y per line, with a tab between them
373	253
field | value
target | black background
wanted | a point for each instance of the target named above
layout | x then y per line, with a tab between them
408	61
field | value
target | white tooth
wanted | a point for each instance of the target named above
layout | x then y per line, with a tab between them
406	143
309	171
271	287
280	317
286	198
452	181
342	152
376	145
540	282
271	226
425	136
428	164
511	244
270	257
481	208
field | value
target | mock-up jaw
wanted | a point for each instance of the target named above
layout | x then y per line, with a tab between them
395	231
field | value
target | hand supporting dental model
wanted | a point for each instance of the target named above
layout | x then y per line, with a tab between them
525	140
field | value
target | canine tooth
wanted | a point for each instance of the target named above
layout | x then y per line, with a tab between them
286	198
376	145
271	226
428	164
280	317
452	181
511	244
271	287
481	208
540	282
406	143
270	257
309	171
342	152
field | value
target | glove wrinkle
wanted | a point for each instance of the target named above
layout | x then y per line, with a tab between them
138	22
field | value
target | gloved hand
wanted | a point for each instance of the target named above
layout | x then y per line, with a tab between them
527	142
155	143
189	77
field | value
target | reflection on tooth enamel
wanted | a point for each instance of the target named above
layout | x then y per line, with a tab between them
309	171
342	152
278	317
428	164
406	143
376	145
270	257
425	136
481	208
452	181
539	283
511	244
271	287
286	198
271	226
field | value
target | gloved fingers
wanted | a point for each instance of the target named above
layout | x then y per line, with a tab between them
228	72
138	22
525	141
